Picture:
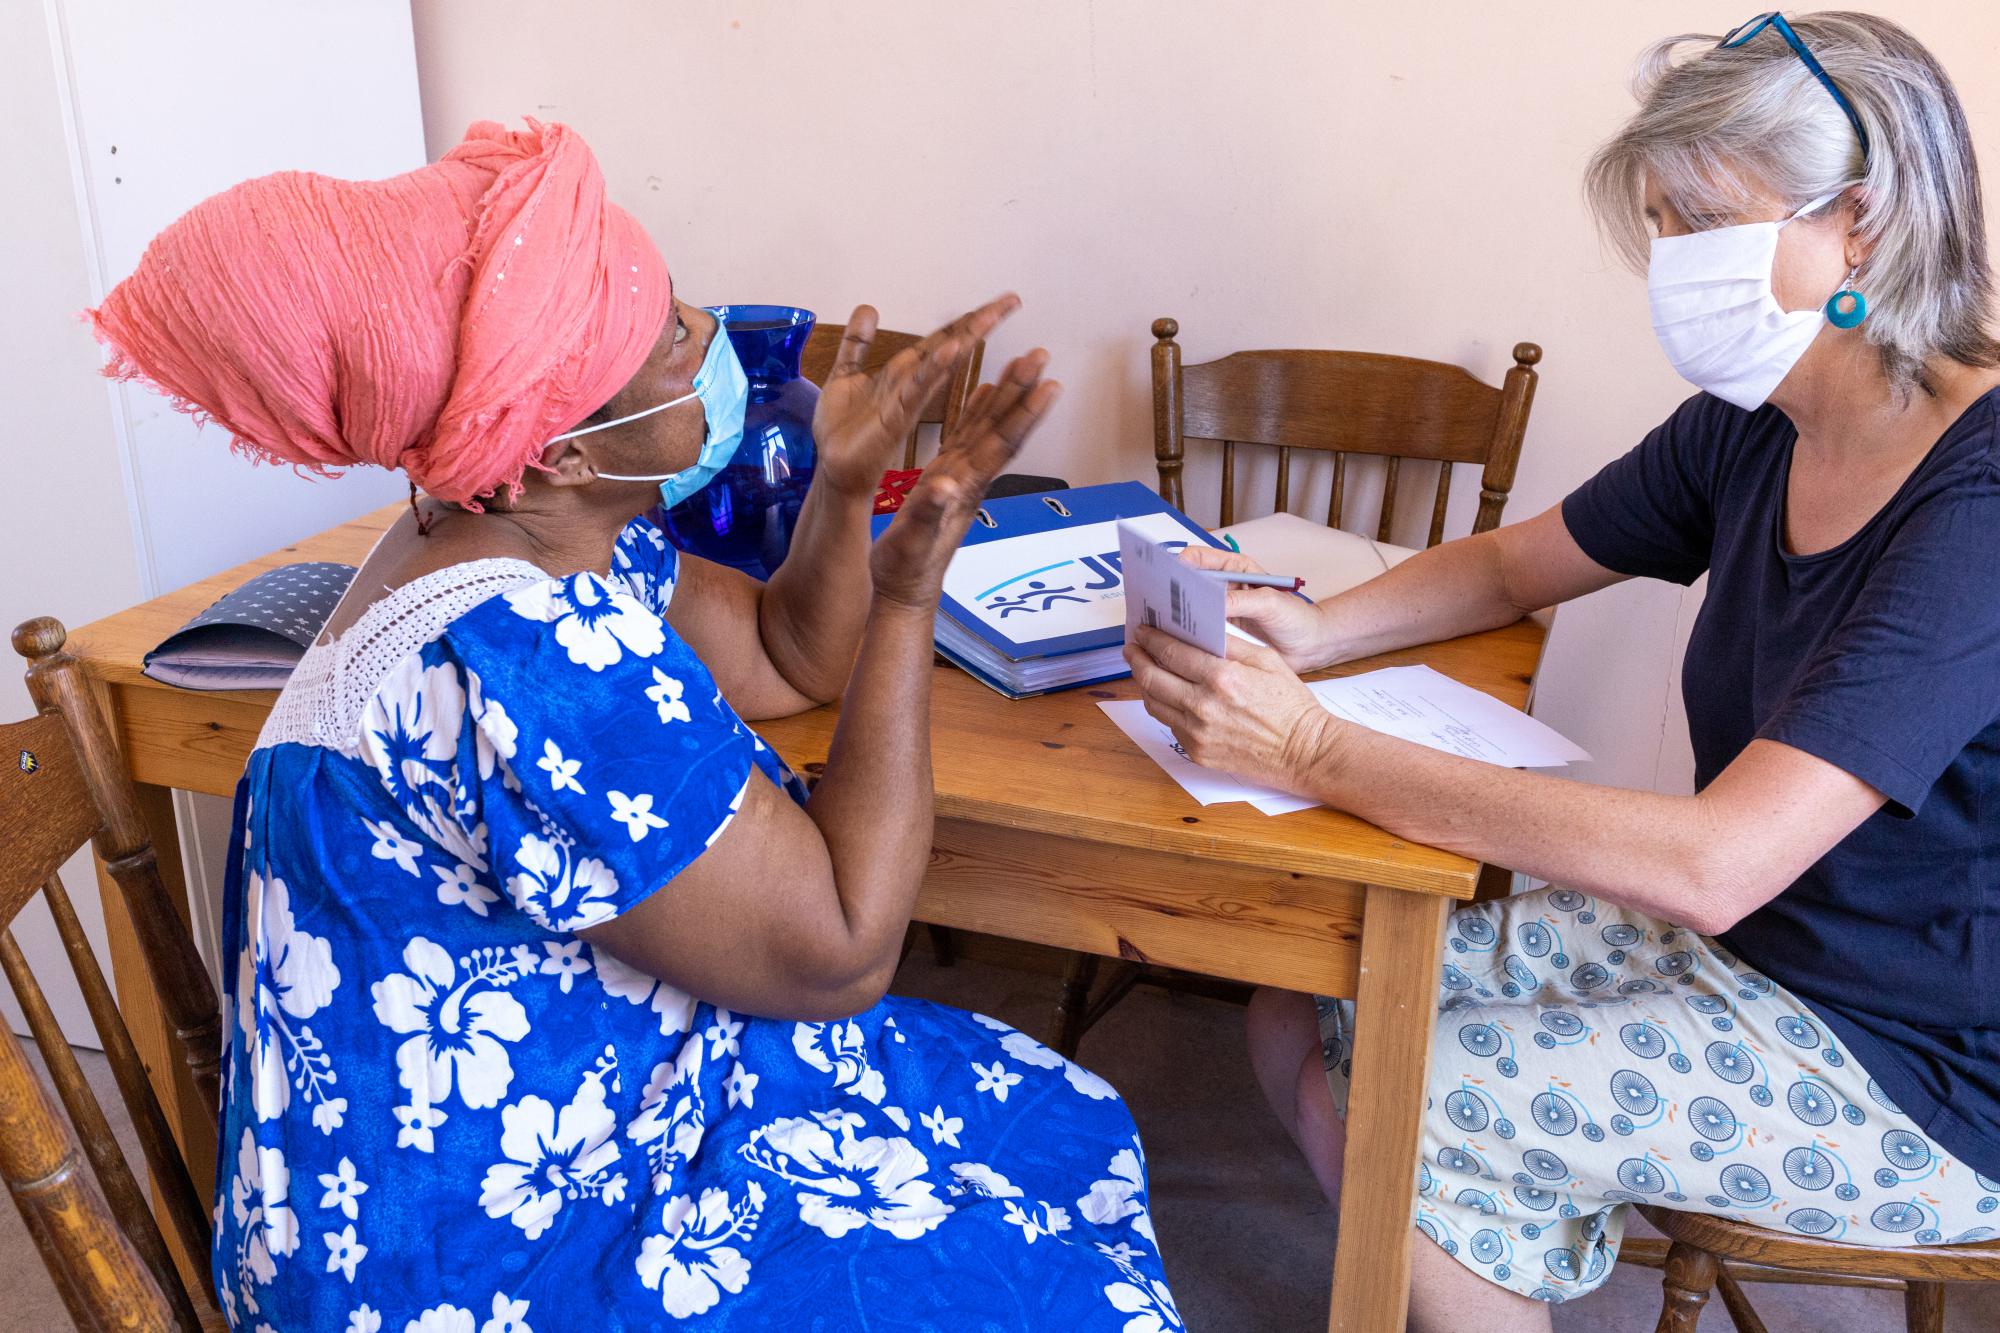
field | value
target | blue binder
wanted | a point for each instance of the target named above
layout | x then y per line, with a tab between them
1019	664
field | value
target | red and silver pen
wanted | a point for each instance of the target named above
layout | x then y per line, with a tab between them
1283	582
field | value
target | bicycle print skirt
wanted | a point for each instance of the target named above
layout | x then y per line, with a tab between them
1588	1057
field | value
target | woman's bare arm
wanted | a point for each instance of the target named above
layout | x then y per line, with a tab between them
1459	587
1703	861
800	913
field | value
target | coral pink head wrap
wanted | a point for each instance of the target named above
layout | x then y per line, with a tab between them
446	322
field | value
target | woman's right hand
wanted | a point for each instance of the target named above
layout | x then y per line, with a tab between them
909	560
1289	624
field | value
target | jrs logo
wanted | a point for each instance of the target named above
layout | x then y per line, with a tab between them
1081	580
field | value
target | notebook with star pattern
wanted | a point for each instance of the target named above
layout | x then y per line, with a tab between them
250	639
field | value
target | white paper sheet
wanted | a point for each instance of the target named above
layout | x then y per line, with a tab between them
1416	704
1421	705
1167	593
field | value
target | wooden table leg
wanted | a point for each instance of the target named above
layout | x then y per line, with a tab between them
145	1018
1402	945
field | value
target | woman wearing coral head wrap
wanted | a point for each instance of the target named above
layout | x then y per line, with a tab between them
559	1002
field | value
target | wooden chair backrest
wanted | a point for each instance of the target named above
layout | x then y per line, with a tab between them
1727	1238
63	785
943	408
1342	403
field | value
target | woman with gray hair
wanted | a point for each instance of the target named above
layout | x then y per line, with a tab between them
1776	999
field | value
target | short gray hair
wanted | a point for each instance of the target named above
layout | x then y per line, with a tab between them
1715	126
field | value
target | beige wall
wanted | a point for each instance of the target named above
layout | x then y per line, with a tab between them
65	557
1393	177
113	495
59	415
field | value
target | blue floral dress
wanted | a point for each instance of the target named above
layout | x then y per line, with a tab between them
445	1113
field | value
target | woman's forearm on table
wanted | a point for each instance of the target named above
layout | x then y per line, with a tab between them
813	609
1666	856
1457	588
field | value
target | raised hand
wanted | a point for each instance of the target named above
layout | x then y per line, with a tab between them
863	419
909	560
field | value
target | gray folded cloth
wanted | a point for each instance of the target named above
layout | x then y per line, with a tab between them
251	638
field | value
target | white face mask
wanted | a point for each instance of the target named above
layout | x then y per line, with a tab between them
1715	315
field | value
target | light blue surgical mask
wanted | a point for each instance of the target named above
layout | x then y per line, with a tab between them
724	392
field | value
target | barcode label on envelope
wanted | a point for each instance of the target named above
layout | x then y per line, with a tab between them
1164	592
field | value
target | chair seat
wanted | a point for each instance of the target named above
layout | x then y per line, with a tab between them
1729	1239
1330	560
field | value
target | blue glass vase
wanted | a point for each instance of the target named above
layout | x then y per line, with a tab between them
745	517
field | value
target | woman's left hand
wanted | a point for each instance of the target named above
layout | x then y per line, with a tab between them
1246	714
862	418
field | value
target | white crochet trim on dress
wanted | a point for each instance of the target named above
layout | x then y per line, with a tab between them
330	688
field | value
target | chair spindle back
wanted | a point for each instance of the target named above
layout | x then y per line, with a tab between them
62	786
943	408
1342	403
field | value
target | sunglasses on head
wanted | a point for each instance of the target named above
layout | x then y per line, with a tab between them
1775	21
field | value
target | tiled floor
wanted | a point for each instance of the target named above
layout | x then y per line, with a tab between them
1247	1239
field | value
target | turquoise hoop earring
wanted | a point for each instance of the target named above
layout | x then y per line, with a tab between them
1846	308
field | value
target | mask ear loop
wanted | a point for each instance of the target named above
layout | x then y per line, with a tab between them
1816	205
1847	307
634	416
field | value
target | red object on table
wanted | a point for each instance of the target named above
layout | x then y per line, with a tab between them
896	484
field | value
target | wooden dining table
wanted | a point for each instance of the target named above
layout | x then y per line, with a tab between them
1052	828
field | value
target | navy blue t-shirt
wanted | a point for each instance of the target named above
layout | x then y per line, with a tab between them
1881	656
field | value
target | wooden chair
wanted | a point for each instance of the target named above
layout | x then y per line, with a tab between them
1392	407
1706	1252
943	409
1342	403
63	785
